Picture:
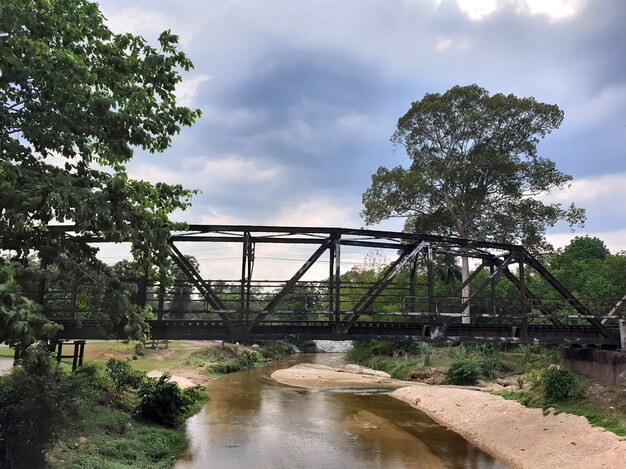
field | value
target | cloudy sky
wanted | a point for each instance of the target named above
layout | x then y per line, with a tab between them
300	97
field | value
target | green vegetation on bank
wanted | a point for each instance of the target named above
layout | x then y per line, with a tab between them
531	373
564	391
109	414
104	417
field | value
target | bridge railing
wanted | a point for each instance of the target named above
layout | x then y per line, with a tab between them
315	301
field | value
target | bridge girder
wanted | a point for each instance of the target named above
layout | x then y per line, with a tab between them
244	320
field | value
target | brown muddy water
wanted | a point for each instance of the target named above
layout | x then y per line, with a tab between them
253	422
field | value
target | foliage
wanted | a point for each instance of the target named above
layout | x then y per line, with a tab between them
21	318
38	401
163	402
179	288
385	356
277	349
113	439
474	169
463	372
588	270
560	385
75	100
306	346
123	376
580	249
243	358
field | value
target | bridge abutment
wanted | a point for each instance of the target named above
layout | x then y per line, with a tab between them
604	365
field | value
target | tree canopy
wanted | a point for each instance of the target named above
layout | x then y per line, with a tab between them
75	101
475	171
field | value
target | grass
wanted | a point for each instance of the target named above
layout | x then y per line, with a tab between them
5	351
110	436
112	439
602	405
611	420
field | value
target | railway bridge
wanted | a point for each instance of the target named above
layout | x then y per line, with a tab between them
513	298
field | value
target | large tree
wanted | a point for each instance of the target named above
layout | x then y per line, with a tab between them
474	172
75	101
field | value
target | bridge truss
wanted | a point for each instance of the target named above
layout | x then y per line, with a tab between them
406	301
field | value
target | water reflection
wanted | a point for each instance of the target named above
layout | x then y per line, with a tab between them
253	422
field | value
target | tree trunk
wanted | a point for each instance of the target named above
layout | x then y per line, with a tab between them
465	293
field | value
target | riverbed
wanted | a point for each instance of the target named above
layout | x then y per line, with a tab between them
255	422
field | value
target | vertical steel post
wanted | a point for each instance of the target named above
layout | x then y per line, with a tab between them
337	250
412	292
331	280
492	269
74	296
244	265
522	290
162	280
250	264
432	307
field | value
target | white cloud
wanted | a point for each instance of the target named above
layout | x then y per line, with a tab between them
186	90
608	191
555	9
212	174
614	240
319	211
478	9
145	22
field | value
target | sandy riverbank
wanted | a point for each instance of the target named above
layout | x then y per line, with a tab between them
319	376
521	437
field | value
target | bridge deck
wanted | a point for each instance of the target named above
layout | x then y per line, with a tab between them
327	330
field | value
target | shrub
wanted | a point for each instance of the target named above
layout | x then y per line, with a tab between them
38	401
561	385
491	365
163	402
306	346
463	372
277	349
123	376
426	351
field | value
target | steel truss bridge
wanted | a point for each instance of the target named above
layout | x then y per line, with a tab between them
404	302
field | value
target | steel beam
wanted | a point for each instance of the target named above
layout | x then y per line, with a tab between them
269	308
375	290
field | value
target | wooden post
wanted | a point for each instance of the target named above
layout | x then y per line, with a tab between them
622	333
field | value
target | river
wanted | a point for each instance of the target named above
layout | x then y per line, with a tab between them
253	422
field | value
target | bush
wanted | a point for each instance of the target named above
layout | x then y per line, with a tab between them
561	385
463	372
163	402
277	349
306	346
490	366
243	360
123	376
38	401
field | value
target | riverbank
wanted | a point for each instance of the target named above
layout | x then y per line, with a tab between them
113	437
522	437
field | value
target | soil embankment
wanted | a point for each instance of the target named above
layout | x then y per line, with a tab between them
521	437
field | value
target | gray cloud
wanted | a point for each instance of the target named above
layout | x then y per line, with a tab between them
312	90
